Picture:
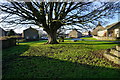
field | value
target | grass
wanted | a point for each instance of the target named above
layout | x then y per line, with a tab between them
66	60
89	38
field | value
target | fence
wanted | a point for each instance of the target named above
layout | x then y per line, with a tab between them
8	43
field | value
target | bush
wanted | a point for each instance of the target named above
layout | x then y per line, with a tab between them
61	39
11	33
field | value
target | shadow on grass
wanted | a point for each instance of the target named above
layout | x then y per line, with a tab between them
14	51
11	54
24	67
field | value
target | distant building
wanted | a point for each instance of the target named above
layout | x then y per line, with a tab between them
102	33
98	28
86	33
2	32
75	34
112	30
30	34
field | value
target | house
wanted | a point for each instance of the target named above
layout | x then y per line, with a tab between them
98	28
2	32
102	33
113	30
30	34
86	33
75	34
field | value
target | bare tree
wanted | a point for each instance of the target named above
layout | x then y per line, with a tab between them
52	15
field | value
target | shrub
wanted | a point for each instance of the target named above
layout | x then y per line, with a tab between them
11	33
61	39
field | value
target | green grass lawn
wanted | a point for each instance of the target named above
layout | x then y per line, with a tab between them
89	38
66	60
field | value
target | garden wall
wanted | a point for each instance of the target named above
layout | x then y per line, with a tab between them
8	43
113	54
104	38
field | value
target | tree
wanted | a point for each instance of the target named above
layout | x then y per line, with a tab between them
61	32
11	33
89	33
52	15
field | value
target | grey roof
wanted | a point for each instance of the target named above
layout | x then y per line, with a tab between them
113	26
30	28
76	30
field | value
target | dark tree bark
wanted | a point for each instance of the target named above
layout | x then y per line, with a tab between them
52	37
52	32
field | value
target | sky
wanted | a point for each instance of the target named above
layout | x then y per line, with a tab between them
20	30
111	21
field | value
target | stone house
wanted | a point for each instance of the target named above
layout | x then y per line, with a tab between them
30	34
75	34
112	30
99	27
2	32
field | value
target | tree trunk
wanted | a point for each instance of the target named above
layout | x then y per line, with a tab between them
52	38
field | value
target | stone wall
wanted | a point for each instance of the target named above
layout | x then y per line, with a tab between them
113	54
104	38
8	43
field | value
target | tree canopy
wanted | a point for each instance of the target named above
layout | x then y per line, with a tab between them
52	15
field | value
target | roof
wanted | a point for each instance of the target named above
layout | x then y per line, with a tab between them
30	28
76	30
114	26
111	25
99	27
